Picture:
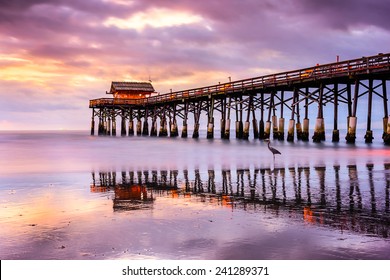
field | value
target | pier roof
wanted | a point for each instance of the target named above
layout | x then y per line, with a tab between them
131	87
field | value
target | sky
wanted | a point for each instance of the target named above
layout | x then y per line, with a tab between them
56	55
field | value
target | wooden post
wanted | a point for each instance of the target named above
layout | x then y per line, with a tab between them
197	111
351	134
386	121
131	123
239	124
305	130
281	119
113	123
336	133
123	123
245	134
210	125
93	122
145	129
319	129
291	124
184	132
261	122
227	124
368	137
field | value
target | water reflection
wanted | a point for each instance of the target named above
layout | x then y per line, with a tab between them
349	198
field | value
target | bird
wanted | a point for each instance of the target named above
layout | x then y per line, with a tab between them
273	150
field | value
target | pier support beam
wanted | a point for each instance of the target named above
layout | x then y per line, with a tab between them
290	131
163	126
197	111
281	119
305	129
123	123
319	129
336	133
113	124
261	122
245	134
93	122
153	130
226	129
210	124
351	133
145	128
184	132
139	127
291	124
386	121
131	127
369	136
239	124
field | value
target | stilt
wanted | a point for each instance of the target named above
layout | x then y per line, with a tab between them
123	123
227	123
275	129
197	111
298	124
223	118
267	130
139	127
245	134
319	129
281	119
239	124
336	133
305	130
291	124
254	122
113	124
108	125
184	131
153	130
173	125
131	127
386	121
261	122
369	136
163	126
210	125
281	129
351	134
290	131
145	129
93	122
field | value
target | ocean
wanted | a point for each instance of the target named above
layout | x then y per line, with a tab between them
68	195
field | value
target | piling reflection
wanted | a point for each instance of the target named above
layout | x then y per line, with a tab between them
343	198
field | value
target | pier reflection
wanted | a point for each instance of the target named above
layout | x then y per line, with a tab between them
350	198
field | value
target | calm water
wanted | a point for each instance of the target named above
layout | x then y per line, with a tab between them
67	195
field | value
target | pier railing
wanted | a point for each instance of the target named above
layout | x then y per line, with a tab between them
361	66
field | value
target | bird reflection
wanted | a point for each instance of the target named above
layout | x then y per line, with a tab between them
317	195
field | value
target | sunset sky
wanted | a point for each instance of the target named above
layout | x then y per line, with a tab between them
55	55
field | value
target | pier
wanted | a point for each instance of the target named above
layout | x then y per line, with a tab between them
271	106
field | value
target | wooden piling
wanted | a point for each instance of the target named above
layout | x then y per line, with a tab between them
319	128
351	134
93	122
210	125
336	133
369	135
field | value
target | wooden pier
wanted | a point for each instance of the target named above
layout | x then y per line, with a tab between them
259	104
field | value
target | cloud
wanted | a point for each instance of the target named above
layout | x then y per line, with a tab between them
68	46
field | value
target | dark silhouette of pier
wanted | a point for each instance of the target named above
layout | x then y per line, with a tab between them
261	104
